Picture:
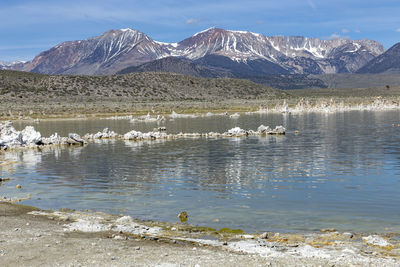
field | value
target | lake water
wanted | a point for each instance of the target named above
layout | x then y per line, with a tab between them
341	171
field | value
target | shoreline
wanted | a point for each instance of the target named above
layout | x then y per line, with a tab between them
34	237
110	110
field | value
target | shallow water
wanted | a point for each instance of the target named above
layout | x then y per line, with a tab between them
341	171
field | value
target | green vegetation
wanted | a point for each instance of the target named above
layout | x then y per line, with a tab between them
230	231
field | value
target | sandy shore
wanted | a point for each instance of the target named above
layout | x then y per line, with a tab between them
29	237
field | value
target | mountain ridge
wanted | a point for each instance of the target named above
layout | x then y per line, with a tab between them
115	50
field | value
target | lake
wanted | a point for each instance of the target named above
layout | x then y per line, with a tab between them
342	171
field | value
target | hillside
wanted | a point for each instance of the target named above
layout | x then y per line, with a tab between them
149	86
388	62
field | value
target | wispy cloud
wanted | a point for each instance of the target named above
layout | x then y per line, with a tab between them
333	36
345	31
398	30
311	4
192	21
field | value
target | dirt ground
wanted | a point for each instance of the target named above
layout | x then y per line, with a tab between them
27	240
34	240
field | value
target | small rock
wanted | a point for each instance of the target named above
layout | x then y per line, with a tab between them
165	254
27	224
174	229
17	229
47	245
183	216
349	235
113	258
225	243
18	186
137	248
264	235
38	235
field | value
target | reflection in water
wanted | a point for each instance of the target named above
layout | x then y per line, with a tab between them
341	171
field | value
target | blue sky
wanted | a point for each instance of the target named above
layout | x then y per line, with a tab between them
29	27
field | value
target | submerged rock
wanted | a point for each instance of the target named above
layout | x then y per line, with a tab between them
148	118
175	115
278	130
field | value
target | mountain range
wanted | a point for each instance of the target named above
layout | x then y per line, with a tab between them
211	53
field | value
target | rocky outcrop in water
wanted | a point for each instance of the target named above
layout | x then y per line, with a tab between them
154	135
10	138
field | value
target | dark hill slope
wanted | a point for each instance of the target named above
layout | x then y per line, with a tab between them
388	62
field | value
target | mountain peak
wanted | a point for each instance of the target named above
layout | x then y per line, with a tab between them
205	31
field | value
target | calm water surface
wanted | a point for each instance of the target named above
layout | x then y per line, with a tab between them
341	171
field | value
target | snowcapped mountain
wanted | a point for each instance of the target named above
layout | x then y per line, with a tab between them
296	54
116	50
103	54
16	65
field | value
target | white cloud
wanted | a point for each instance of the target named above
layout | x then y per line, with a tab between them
192	21
345	31
357	31
398	30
